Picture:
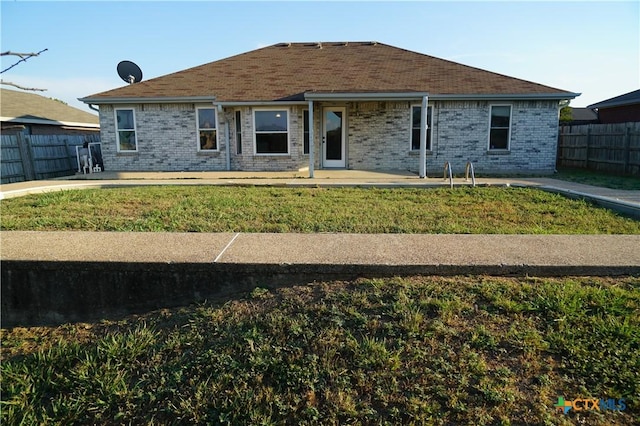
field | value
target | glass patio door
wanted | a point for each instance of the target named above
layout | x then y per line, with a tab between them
333	137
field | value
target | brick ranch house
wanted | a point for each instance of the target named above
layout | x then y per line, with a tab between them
352	105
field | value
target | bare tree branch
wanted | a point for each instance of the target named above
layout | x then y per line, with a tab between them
8	83
23	57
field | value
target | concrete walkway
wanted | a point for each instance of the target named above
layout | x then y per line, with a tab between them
502	254
56	277
322	178
627	202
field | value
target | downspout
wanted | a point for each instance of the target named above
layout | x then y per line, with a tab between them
311	140
563	103
423	138
93	108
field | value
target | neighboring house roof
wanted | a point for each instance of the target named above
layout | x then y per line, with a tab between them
630	98
288	71
29	108
583	114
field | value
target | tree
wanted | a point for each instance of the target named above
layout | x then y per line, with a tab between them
565	114
23	57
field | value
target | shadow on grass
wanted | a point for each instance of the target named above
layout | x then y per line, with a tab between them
422	350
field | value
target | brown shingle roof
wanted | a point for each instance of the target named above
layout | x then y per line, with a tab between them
288	70
21	106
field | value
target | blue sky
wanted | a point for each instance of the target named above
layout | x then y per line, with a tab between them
580	46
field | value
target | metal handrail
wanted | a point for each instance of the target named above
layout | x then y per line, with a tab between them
473	175
447	166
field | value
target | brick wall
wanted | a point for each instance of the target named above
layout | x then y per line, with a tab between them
379	135
461	134
378	138
167	140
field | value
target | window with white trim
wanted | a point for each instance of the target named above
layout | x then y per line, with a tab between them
416	112
500	127
126	130
271	131
207	129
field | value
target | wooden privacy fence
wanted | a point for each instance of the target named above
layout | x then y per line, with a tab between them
612	148
35	157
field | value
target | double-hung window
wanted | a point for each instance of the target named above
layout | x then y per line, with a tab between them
207	129
416	112
126	130
271	131
500	127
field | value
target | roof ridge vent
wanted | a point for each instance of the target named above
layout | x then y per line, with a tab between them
284	44
371	43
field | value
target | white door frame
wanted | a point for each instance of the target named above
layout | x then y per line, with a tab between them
338	163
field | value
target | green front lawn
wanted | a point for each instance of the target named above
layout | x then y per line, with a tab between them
490	210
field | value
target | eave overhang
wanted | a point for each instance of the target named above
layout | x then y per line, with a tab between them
337	96
614	104
156	100
19	120
257	103
504	97
364	96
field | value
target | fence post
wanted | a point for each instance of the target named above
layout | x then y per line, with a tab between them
627	149
586	164
32	160
66	150
26	156
559	147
